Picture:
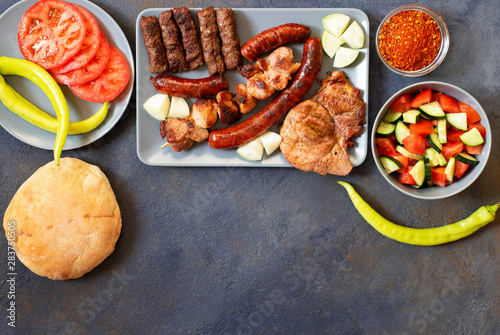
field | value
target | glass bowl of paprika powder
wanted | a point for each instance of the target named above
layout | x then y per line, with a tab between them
412	40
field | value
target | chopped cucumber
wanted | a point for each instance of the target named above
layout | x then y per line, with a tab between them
433	140
401	132
385	129
390	164
472	138
428	173
467	159
411	116
458	120
435	158
450	169
402	150
432	110
418	172
442	131
392	116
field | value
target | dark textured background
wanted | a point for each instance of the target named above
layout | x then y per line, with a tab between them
276	250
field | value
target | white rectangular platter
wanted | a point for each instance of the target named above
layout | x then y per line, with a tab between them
249	21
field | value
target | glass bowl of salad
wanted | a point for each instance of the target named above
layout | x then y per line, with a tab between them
431	140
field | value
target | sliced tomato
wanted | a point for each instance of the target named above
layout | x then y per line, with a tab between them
436	96
474	150
422	98
89	47
422	127
448	104
472	115
89	71
480	127
51	32
406	178
460	168
401	104
454	134
110	83
386	146
415	143
438	176
452	149
403	160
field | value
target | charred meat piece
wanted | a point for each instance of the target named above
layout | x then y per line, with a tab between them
229	112
172	41
343	102
154	44
181	134
204	113
210	41
190	40
311	142
229	36
243	99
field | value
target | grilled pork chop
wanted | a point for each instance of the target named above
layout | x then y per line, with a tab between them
316	132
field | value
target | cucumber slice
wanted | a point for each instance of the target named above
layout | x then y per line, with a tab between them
411	116
392	116
472	138
450	169
433	140
402	150
428	174
432	110
385	129
390	164
401	132
435	158
442	131
418	172
467	159
458	120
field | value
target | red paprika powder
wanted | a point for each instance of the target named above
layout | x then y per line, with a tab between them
409	40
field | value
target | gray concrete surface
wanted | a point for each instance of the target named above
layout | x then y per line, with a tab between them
275	250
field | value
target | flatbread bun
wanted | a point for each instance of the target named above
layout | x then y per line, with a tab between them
66	219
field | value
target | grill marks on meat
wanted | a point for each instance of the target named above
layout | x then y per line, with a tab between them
189	34
316	132
210	41
181	134
229	112
229	36
243	99
154	45
172	41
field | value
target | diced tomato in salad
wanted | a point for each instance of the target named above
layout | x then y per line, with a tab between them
417	141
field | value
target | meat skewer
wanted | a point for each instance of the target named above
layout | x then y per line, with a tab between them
172	41
154	44
210	41
229	36
190	39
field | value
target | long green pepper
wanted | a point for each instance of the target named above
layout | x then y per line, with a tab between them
39	76
424	236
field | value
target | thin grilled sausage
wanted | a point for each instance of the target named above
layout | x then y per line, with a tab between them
154	44
260	122
274	37
210	41
189	34
190	88
229	37
172	41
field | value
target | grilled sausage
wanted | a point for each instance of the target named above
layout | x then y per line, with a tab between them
229	36
260	122
172	41
274	37
154	44
190	39
190	88
210	41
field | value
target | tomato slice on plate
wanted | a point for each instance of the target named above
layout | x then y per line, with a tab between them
89	47
110	83
89	71
50	33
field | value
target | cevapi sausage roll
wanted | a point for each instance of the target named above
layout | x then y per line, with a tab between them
229	36
172	41
190	40
154	44
210	41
